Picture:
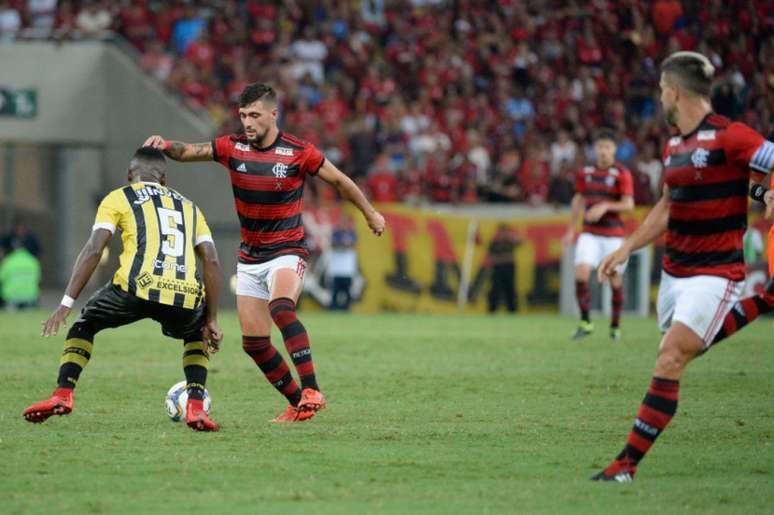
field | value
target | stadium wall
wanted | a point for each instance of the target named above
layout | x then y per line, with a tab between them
94	107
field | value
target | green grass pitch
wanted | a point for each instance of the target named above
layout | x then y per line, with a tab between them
427	414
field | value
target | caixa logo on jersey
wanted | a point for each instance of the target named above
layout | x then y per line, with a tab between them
280	170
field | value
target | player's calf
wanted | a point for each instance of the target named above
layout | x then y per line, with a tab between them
60	403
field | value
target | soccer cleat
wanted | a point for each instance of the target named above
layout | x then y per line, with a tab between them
615	333
292	414
622	476
311	401
60	403
584	329
196	418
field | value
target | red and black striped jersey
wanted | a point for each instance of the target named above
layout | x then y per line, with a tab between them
268	185
707	172
604	185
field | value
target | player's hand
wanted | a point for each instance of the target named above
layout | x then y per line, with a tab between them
57	318
568	238
155	141
376	223
213	335
610	263
768	199
596	212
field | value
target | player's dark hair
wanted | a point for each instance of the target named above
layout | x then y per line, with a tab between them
257	91
605	133
148	163
691	71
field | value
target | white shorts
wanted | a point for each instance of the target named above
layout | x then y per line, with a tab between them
256	280
701	302
590	249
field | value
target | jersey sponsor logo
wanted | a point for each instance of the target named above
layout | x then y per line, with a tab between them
144	280
705	135
667	160
244	147
163	265
176	286
280	170
674	141
610	180
699	157
614	171
241	168
146	193
284	151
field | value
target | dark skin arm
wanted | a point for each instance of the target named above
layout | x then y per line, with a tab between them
87	261
208	256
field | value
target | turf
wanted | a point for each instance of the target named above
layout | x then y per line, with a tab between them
426	415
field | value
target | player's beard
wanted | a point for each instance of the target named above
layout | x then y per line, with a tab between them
670	114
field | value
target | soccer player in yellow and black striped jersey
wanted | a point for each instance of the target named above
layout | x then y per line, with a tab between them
162	234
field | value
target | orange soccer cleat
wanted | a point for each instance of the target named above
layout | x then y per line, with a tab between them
312	401
197	419
60	403
293	414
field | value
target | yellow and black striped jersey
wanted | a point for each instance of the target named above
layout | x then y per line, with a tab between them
159	230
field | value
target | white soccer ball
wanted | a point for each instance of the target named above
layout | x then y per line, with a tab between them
177	398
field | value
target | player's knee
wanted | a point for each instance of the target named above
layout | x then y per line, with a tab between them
82	330
671	359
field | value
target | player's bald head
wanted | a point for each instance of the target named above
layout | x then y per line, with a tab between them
148	163
692	72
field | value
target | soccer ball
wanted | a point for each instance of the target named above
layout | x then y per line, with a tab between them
177	398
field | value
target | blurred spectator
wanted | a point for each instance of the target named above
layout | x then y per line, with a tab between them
42	16
19	278
562	187
342	266
187	28
10	20
643	195
501	260
309	53
94	20
665	14
157	61
563	151
650	165
381	184
20	236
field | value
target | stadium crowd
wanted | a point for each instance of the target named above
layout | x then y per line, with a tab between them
428	100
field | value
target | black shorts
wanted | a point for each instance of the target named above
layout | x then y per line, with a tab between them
112	307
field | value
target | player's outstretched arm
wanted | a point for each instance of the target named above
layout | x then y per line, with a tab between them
651	228
349	190
208	256
87	261
180	151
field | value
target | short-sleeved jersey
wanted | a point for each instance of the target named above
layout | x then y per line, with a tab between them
707	172
604	185
159	230
268	186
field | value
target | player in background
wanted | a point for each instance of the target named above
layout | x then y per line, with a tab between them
268	169
162	234
704	214
602	193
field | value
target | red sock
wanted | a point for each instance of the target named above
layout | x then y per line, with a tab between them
272	365
656	410
583	294
617	305
283	312
745	311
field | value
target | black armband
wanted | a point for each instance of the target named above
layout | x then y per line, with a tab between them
757	192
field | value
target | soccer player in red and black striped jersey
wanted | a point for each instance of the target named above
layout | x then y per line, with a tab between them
268	169
603	191
704	214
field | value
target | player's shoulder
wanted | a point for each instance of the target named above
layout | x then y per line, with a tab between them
619	168
292	141
117	196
